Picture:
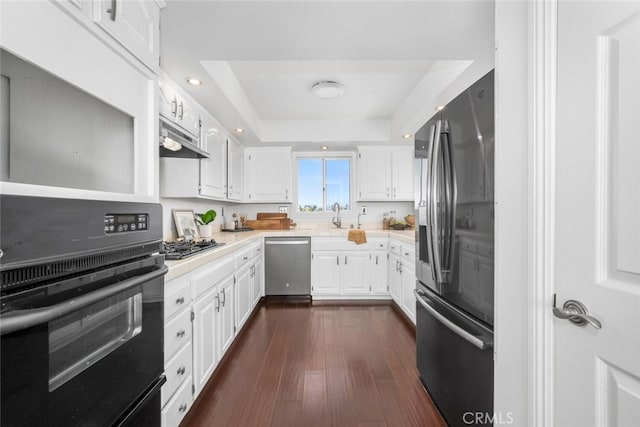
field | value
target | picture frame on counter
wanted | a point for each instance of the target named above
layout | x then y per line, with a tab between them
185	222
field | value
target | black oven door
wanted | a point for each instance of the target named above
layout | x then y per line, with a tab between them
81	351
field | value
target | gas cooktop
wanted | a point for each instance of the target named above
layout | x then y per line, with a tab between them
181	250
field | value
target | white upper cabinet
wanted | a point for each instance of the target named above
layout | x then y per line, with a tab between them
176	107
235	169
268	174
213	171
385	173
135	24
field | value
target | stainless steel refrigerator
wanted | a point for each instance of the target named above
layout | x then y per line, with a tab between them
454	155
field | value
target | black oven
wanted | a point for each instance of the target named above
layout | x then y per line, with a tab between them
81	318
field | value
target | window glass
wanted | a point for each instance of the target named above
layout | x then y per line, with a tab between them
322	183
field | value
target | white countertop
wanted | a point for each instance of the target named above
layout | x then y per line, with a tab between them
234	241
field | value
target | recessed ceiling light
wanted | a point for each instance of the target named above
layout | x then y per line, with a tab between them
440	107
327	89
406	136
239	130
194	82
324	147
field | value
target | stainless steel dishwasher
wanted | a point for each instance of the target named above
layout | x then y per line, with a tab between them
287	265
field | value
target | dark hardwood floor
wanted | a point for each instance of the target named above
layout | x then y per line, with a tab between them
303	364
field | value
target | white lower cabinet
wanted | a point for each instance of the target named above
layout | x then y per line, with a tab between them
257	281
325	273
205	323
402	276
379	272
227	327
243	294
354	274
408	286
176	409
395	279
340	273
177	370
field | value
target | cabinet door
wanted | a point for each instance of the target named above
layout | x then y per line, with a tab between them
243	296
354	272
268	177
167	100
226	331
235	161
325	273
379	273
213	171
374	175
408	286
204	338
468	278
135	24
402	173
256	283
189	117
395	279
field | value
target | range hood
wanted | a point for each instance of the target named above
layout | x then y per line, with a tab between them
176	142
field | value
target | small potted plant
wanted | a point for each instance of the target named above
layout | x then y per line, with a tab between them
204	222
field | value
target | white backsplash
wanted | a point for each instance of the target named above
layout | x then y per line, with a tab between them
371	221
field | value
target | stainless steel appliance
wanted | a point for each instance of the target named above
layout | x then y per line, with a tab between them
287	266
177	142
454	251
181	250
81	317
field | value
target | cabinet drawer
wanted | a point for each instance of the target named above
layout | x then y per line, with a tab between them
485	250
206	277
381	245
468	245
395	247
408	253
242	257
177	370
177	296
178	406
177	332
256	250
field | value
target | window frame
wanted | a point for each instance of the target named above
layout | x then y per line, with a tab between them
327	155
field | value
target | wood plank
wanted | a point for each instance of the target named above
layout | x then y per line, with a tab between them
315	410
395	411
287	414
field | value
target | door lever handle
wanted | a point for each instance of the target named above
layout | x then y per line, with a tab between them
576	313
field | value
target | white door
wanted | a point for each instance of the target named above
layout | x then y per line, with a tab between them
243	295
395	279
379	273
213	171
374	174
402	170
204	338
256	283
325	273
235	162
226	331
354	274
268	174
597	230
408	276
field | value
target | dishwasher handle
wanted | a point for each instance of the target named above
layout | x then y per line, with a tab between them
286	242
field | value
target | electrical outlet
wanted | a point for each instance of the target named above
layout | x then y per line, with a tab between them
363	210
283	209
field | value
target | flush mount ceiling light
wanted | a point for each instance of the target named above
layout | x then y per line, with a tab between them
171	144
327	89
406	136
324	147
194	82
440	107
239	130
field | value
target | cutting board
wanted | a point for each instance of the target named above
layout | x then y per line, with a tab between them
270	215
269	224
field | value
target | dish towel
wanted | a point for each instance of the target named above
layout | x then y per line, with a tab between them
357	236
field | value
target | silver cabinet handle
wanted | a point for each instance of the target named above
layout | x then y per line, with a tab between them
388	193
395	193
338	260
182	370
345	260
217	297
112	10
181	333
286	194
224	297
576	313
182	408
181	113
376	259
245	258
174	107
180	300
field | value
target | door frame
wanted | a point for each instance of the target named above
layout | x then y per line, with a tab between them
526	78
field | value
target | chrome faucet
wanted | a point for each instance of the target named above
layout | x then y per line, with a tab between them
336	219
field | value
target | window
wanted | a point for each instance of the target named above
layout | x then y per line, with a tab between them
322	182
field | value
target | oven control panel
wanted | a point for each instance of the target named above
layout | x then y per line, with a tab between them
125	223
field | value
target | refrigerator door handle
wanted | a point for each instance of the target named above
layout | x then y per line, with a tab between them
435	228
480	343
451	190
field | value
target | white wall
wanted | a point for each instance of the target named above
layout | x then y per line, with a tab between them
512	377
373	219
